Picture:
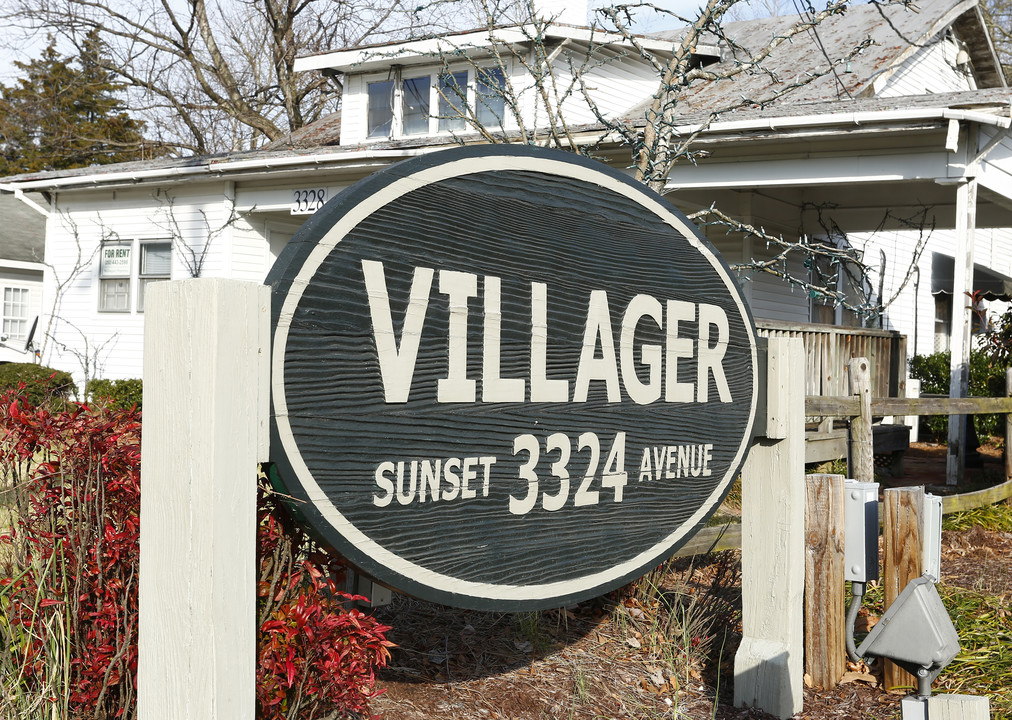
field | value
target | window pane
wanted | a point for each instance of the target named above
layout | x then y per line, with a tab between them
416	105
490	104
142	286
452	101
15	313
156	259
380	108
114	296
115	260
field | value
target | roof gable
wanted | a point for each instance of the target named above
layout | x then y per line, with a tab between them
22	231
800	69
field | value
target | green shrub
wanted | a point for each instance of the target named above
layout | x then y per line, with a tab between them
116	394
41	384
987	379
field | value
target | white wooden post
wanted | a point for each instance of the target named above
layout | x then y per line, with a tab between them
959	707
959	346
769	669
913	421
204	430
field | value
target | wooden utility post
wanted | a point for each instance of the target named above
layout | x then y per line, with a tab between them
205	428
1008	427
825	644
903	540
768	668
862	452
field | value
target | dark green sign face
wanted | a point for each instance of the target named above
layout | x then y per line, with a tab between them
506	377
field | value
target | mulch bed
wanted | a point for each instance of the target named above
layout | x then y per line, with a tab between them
603	659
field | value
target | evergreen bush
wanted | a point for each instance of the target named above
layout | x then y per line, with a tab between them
39	385
116	394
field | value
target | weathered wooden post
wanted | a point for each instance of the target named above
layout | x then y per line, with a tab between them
768	669
1008	427
903	543
205	429
862	452
825	644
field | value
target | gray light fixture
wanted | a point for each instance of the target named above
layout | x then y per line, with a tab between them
915	633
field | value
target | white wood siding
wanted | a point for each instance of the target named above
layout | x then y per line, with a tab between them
931	69
911	308
354	106
996	171
83	340
30	280
615	84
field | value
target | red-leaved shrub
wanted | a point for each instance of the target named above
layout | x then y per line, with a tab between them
314	656
70	498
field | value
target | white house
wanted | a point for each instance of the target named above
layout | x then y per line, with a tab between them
912	131
22	246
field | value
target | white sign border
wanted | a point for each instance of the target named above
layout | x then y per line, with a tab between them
387	558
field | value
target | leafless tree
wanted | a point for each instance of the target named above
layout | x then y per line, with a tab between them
557	74
212	77
998	16
193	254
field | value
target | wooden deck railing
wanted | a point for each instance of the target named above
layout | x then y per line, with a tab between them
828	349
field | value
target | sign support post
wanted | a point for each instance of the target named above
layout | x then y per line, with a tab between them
768	669
205	428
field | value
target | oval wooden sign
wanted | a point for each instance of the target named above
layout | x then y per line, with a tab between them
506	377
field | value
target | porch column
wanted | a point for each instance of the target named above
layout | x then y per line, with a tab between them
959	339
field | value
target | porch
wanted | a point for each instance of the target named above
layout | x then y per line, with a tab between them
828	349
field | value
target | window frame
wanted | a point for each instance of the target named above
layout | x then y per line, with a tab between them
145	278
7	320
436	126
108	278
130	284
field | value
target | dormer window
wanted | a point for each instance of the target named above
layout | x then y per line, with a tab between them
491	106
381	108
416	105
452	92
403	106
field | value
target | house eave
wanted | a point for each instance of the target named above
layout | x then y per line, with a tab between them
469	44
337	160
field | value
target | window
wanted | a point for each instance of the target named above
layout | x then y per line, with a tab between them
452	100
435	102
156	264
117	271
415	112
15	314
114	277
381	108
490	105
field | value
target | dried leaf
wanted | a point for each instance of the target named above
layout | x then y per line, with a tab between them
851	676
633	642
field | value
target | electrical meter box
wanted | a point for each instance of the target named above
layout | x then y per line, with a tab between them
931	536
860	517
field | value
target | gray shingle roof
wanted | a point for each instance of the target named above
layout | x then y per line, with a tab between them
22	230
894	31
